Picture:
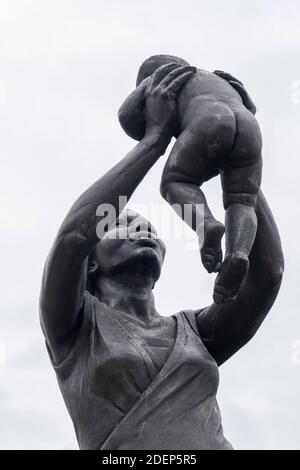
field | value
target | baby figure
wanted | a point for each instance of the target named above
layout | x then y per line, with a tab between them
216	134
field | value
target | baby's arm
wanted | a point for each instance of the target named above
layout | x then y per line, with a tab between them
131	113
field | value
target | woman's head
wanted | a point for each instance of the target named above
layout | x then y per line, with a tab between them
130	249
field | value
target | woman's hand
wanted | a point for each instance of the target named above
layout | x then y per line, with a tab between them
239	87
162	88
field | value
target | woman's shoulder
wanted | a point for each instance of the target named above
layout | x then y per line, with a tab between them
64	353
189	317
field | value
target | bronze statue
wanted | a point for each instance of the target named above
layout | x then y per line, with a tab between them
131	378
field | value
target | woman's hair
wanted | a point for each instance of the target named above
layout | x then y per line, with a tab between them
149	66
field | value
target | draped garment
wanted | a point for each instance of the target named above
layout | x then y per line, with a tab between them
118	400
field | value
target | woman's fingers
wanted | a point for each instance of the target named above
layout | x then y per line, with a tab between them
176	73
248	103
178	82
239	87
162	71
226	76
160	108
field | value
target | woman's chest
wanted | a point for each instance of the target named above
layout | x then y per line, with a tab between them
158	340
151	342
126	358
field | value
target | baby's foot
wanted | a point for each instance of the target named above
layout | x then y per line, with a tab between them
231	277
210	246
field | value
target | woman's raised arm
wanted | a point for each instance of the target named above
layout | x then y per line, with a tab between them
226	328
65	272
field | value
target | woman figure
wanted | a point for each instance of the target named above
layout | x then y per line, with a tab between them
130	378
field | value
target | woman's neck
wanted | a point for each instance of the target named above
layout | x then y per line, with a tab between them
133	296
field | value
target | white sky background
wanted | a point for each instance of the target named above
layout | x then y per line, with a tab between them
65	67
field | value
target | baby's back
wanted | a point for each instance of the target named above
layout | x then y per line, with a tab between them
201	91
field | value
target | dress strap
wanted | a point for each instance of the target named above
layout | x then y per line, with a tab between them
190	316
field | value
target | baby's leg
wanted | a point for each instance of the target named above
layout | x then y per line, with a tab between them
241	180
188	165
209	230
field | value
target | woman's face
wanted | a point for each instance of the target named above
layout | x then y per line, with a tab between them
131	244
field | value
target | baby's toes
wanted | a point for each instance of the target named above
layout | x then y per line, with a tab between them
230	278
218	267
218	263
209	262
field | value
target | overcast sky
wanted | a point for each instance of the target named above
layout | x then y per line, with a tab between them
65	67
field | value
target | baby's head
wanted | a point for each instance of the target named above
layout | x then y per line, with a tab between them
149	66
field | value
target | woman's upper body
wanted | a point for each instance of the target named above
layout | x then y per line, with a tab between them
130	377
121	394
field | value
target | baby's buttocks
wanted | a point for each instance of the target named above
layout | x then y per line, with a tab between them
211	126
207	108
